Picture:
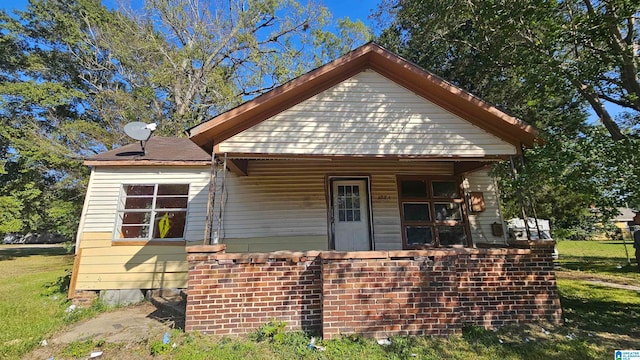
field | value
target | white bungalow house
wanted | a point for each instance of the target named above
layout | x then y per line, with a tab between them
368	152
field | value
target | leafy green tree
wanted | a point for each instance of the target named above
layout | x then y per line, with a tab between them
576	181
589	47
547	63
72	73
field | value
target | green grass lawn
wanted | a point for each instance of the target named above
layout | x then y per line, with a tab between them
599	320
31	303
605	260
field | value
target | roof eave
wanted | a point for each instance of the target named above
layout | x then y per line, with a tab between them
369	56
145	163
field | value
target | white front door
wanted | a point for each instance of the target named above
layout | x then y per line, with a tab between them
350	215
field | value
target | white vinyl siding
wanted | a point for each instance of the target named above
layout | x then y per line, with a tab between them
480	223
367	114
106	184
105	266
287	198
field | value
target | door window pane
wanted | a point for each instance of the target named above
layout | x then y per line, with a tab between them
348	203
419	235
416	212
447	211
446	189
413	188
452	235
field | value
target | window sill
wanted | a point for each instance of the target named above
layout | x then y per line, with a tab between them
148	243
419	247
432	247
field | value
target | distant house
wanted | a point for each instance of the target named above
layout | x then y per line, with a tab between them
625	222
367	153
619	227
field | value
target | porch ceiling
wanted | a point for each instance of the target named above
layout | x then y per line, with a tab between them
239	163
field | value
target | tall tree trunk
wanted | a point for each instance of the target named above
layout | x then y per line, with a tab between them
596	104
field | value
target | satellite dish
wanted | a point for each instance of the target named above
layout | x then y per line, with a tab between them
140	131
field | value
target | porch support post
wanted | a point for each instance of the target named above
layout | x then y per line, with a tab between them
211	198
514	175
532	203
223	189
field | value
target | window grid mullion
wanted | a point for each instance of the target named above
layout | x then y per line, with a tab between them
152	221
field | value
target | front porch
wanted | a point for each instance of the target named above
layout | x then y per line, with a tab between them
354	204
371	293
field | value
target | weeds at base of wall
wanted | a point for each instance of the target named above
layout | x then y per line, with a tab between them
273	331
403	347
539	341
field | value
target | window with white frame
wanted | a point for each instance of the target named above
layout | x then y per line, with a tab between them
152	212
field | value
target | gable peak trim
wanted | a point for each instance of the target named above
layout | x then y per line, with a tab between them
391	66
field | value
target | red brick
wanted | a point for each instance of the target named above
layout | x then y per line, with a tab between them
379	296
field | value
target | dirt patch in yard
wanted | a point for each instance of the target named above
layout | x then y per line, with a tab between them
122	333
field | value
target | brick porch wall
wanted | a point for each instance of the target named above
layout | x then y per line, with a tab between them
233	294
377	294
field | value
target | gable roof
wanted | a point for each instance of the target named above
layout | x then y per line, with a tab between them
159	151
369	56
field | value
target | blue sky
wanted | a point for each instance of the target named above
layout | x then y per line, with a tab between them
13	4
354	9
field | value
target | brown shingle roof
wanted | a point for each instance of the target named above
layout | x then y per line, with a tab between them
159	151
